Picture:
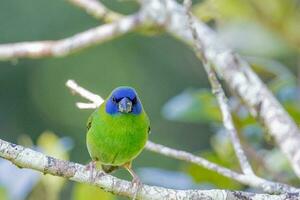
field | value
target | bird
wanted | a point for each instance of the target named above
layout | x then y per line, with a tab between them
117	132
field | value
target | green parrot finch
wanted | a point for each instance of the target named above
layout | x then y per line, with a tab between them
118	130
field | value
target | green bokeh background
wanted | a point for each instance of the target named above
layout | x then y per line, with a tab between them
33	96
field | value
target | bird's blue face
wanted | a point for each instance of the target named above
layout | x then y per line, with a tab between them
123	100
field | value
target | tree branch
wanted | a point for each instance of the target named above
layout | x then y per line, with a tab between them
97	9
247	179
28	158
67	46
218	91
234	70
236	73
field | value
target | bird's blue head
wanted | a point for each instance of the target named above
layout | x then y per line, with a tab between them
123	100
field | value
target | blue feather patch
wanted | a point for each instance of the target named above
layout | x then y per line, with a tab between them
117	95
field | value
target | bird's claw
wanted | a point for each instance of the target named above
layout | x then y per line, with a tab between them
137	186
91	167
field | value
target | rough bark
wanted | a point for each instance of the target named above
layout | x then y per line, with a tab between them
28	158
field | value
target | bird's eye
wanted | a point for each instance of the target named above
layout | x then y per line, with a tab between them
114	99
134	100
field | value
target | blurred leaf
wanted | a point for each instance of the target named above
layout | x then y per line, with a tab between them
25	140
3	195
223	155
223	9
18	183
192	106
202	175
223	148
84	191
254	134
285	89
281	81
51	186
271	67
205	11
282	165
279	16
260	41
51	145
293	109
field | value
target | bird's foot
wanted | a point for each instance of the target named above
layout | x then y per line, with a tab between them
136	182
137	186
91	167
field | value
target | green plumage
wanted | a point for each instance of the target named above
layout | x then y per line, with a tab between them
116	139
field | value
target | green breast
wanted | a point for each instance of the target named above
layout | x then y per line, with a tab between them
116	139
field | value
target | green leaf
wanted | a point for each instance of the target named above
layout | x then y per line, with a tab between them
253	133
222	9
223	155
279	74
293	109
192	106
260	41
282	170
202	175
50	186
276	156
84	191
281	17
223	148
282	82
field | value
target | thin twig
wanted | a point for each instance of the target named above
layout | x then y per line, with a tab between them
95	100
220	95
97	10
185	156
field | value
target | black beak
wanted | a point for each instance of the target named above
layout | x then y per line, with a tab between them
125	105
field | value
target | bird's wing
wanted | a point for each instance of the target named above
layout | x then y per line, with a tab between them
89	122
91	119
